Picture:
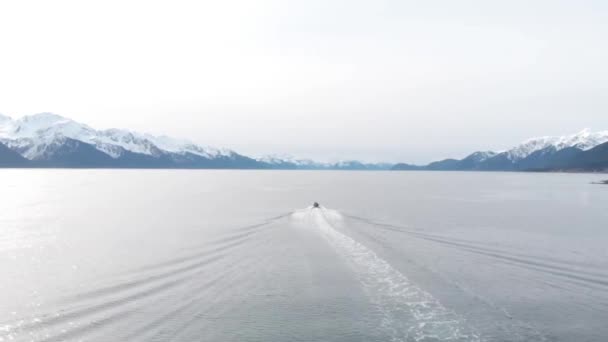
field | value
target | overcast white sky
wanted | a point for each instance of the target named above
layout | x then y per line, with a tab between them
376	80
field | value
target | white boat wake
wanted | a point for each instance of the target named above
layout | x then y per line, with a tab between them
408	313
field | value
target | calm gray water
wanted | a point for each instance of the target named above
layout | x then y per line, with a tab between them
128	255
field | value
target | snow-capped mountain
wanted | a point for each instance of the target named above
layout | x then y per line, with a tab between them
583	140
481	156
32	135
584	150
50	140
290	162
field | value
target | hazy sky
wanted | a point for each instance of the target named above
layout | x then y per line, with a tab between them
377	80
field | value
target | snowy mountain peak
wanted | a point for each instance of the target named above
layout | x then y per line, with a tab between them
481	155
279	159
30	134
583	140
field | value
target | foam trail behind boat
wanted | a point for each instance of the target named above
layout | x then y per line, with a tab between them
408	312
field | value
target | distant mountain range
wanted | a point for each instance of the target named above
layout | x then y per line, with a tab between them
291	163
584	151
50	140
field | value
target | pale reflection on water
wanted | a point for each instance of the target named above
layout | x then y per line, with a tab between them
216	255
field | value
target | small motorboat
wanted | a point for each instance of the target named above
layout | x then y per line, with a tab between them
316	205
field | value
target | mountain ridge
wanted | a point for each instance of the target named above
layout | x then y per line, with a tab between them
583	151
50	140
